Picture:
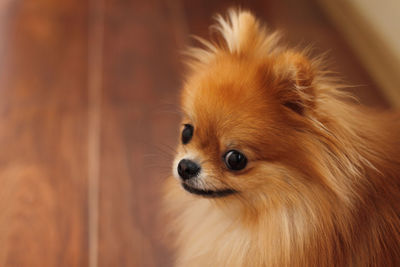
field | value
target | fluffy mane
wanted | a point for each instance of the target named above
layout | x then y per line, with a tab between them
329	198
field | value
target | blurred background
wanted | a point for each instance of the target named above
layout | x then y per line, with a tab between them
88	121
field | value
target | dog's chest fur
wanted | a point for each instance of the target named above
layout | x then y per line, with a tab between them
211	235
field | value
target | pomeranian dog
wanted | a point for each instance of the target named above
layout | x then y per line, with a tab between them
276	165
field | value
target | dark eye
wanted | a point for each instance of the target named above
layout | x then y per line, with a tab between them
187	133
235	160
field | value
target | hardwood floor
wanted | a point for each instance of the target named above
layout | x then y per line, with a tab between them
43	134
88	120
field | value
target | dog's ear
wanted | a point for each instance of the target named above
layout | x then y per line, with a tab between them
294	74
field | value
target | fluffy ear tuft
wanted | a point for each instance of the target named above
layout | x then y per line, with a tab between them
242	33
239	30
296	75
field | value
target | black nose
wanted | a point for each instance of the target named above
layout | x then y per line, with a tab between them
187	169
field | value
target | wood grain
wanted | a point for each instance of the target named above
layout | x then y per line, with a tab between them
140	85
43	135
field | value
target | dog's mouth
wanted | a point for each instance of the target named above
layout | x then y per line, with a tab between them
208	193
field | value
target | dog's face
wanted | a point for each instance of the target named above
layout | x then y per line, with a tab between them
238	133
242	116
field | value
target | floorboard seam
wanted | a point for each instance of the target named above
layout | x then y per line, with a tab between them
95	61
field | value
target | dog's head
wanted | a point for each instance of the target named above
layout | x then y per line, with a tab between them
250	125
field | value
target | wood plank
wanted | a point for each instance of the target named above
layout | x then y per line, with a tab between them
140	85
43	107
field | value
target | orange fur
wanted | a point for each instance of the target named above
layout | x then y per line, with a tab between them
322	183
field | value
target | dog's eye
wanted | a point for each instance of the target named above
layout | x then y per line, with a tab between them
187	133
235	160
